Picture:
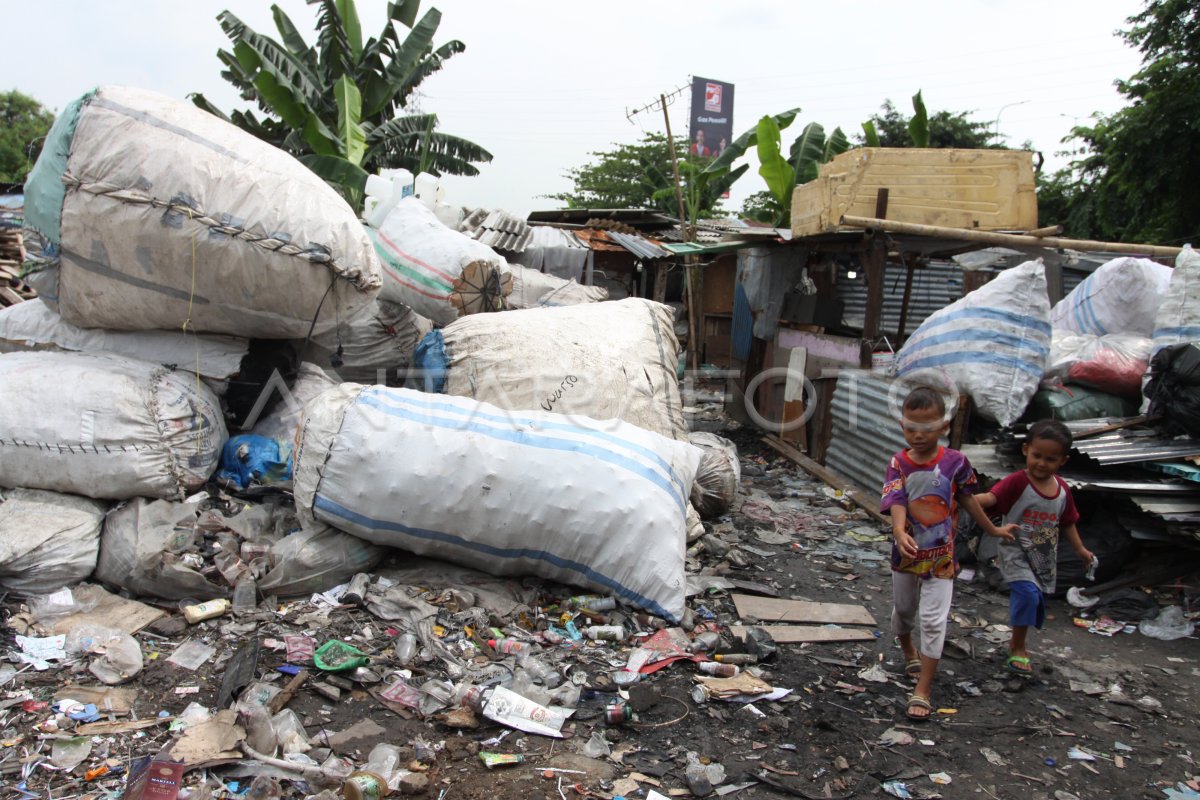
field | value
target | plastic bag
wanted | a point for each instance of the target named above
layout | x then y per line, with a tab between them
1174	388
374	347
1114	363
250	459
1070	402
1170	624
991	344
719	476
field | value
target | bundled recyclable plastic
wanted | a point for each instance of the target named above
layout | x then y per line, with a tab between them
374	347
531	288
438	272
164	214
1114	363
1121	296
47	540
105	426
33	325
613	360
991	344
1178	318
599	504
719	476
164	549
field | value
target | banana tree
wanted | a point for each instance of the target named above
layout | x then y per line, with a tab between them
807	152
701	189
337	105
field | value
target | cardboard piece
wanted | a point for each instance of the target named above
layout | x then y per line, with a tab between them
107	699
794	634
110	611
210	743
770	609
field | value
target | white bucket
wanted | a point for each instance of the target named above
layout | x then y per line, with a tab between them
882	361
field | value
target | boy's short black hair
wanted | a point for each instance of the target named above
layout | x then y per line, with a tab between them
1050	430
924	397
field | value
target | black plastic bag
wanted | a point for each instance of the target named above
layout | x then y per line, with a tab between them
1174	388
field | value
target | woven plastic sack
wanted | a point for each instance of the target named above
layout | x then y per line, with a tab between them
1121	296
612	360
598	504
47	540
166	214
1178	318
531	288
33	325
438	272
374	347
991	344
105	427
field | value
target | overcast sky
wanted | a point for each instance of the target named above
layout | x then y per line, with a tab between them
543	83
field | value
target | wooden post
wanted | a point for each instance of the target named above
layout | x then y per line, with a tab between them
874	259
973	279
1054	282
908	287
660	281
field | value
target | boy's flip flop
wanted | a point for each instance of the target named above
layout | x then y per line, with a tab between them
917	701
1019	665
912	667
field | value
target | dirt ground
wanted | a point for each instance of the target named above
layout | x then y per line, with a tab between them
1127	700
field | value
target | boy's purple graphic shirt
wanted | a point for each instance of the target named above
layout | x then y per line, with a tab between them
929	492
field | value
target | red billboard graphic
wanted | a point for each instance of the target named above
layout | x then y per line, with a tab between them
710	127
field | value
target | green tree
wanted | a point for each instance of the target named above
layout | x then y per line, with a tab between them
337	105
1137	175
23	127
640	176
807	152
945	129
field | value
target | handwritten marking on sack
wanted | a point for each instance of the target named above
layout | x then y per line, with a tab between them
567	383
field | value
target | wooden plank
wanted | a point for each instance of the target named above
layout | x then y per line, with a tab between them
867	501
796	634
772	609
1131	422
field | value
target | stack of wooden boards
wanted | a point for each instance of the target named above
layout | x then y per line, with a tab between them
12	252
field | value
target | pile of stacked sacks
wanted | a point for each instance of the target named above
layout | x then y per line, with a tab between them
175	306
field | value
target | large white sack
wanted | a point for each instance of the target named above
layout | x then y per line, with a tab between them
105	426
47	540
376	346
1121	296
438	272
531	288
1114	363
598	504
613	360
33	325
171	214
1178	318
991	344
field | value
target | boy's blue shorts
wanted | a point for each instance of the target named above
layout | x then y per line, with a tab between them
1026	605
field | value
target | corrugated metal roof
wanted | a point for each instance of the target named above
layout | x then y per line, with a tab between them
497	229
1132	446
547	236
597	240
866	428
640	246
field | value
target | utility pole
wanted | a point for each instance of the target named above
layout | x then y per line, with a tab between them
685	231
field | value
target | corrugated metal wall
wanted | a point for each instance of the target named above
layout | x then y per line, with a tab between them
934	286
866	430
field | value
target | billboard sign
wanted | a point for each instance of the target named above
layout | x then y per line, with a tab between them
710	127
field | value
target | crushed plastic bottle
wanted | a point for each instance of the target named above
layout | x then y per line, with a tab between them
539	670
245	595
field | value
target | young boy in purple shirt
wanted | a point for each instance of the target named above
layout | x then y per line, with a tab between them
924	484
